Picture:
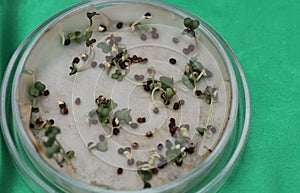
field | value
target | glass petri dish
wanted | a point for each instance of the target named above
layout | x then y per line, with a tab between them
161	33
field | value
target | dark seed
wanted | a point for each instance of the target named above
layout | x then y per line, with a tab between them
62	104
191	48
155	110
185	51
51	121
181	102
198	92
102	137
121	150
147	185
147	88
46	92
77	101
160	146
120	171
67	42
149	134
135	145
119	25
76	60
154	171
116	131
145	60
130	162
172	60
172	130
155	35
176	106
171	125
94	64
172	120
64	111
31	125
175	40
143	37
134	125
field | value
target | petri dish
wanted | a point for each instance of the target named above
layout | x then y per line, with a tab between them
148	96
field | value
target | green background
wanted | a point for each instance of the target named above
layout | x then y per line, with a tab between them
265	36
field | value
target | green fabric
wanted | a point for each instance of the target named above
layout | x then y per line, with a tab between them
265	36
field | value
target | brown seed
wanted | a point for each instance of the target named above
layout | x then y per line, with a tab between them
149	134
154	171
39	121
94	121
46	92
175	40
101	137
135	145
